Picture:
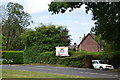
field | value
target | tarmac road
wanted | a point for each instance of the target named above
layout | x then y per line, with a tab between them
64	70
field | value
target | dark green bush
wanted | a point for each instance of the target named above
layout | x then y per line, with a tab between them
47	58
30	55
74	61
12	57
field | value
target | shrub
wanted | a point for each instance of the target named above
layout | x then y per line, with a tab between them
74	61
30	55
12	57
47	57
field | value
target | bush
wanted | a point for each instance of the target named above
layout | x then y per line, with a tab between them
45	57
74	61
48	58
12	57
30	55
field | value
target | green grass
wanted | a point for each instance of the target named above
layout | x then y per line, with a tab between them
0	74
115	70
29	74
0	62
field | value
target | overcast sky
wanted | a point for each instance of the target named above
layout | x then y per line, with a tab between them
77	22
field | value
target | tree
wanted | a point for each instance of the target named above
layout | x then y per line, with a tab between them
105	14
14	24
43	39
46	38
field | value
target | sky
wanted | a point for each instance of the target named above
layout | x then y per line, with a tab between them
77	22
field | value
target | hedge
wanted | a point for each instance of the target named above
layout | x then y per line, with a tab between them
12	57
76	61
51	58
47	58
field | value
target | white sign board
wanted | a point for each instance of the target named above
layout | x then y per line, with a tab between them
62	51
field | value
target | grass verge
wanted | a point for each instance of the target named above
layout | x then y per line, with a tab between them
0	62
29	74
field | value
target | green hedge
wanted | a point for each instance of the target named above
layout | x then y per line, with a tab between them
12	57
51	58
30	55
47	58
76	59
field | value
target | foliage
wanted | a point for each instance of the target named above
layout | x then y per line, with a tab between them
71	61
2	41
61	7
47	58
30	55
77	60
106	16
46	38
44	58
13	24
12	57
43	39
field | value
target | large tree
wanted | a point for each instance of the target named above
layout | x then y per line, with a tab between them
13	24
43	39
46	38
105	14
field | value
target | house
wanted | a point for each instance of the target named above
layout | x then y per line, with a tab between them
89	44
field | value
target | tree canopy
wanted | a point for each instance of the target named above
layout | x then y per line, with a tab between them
105	14
46	38
13	24
43	39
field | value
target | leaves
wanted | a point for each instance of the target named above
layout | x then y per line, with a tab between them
13	25
61	7
46	38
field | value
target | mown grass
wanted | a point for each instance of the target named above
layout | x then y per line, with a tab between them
29	74
0	62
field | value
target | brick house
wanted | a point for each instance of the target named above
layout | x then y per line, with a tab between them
89	44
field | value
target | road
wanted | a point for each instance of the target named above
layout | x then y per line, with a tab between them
64	70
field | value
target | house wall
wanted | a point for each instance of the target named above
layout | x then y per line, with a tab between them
90	44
